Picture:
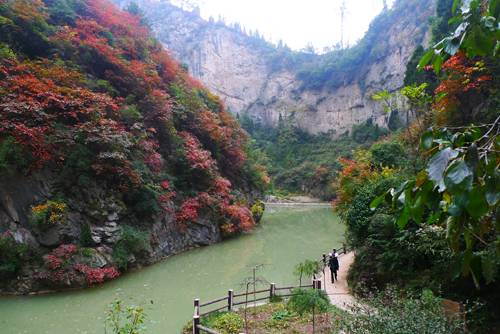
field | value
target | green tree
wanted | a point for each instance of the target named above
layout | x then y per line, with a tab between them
307	268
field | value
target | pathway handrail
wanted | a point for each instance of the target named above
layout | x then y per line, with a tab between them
231	296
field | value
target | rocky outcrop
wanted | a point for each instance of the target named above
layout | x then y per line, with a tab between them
237	68
18	194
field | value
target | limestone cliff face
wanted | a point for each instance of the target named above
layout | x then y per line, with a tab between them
230	64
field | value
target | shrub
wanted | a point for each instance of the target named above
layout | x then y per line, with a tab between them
308	301
48	214
393	312
143	202
12	156
228	323
132	242
258	210
130	114
388	154
12	255
85	235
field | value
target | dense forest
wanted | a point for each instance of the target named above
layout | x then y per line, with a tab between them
110	152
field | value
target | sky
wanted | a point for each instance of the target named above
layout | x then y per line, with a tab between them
297	22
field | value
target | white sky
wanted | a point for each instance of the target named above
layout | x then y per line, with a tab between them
297	22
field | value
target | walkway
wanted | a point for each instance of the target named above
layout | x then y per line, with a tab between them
339	292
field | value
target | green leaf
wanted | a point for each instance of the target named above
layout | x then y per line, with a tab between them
434	217
477	205
376	202
452	45
494	9
426	140
472	156
492	191
403	218
458	176
455	6
426	58
438	62
489	266
437	165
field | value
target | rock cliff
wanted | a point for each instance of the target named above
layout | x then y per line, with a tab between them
237	67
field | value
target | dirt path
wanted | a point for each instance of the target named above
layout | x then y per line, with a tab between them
339	291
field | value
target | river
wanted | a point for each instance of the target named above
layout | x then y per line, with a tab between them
166	290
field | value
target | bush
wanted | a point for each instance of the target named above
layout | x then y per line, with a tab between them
393	312
228	323
143	202
258	210
308	301
130	114
12	156
132	242
12	256
48	214
388	154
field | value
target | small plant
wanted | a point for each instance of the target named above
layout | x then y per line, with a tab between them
123	319
228	323
281	315
48	214
309	301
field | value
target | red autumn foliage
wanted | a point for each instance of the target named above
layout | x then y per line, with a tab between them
240	215
103	63
188	210
197	157
463	79
97	275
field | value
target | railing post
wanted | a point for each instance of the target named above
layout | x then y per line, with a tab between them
324	266
230	296
272	291
343	246
196	322
197	307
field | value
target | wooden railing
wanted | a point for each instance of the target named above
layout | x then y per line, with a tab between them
232	300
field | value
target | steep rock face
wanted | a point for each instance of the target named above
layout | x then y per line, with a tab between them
230	63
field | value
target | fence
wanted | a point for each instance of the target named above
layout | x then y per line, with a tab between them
232	300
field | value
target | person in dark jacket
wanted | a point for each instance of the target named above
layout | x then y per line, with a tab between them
333	263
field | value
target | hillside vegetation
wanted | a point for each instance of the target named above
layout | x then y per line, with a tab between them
110	153
421	206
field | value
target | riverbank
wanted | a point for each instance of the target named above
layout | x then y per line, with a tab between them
166	290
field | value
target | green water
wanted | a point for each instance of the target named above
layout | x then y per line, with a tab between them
166	290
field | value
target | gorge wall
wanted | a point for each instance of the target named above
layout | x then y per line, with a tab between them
243	71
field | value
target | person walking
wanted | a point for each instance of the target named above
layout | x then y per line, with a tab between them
333	263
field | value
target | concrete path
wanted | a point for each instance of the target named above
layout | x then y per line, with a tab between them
339	291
